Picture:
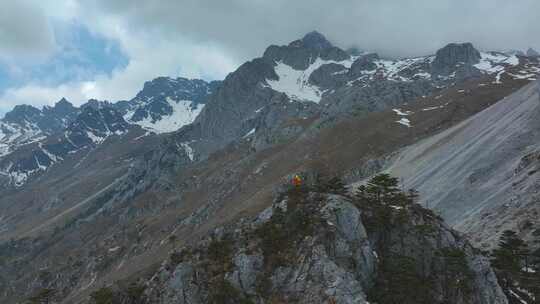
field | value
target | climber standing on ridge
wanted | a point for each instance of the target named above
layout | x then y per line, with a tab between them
297	180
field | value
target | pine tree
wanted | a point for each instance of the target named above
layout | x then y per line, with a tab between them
336	186
172	240
135	293
509	257
103	295
531	280
456	271
382	189
44	296
412	196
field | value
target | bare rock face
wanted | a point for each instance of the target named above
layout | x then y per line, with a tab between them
299	54
532	53
455	56
315	248
364	63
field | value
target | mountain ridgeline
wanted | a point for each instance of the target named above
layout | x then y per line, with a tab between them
181	194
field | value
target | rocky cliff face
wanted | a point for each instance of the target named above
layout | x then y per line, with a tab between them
454	57
532	53
315	248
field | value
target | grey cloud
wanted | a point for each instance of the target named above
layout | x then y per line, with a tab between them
392	27
24	30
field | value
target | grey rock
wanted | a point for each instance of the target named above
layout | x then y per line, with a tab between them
454	55
247	268
532	53
301	53
329	76
489	290
364	63
182	287
374	96
316	40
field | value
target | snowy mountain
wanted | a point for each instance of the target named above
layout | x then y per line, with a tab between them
26	124
91	128
325	76
166	104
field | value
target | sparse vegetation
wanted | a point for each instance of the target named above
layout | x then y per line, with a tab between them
222	292
43	296
403	278
280	235
104	295
517	268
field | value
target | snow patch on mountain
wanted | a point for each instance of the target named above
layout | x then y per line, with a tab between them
401	113
404	121
4	150
189	150
184	113
251	132
391	69
295	83
493	62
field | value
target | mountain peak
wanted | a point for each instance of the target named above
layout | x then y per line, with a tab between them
532	53
22	112
62	101
453	55
95	104
63	104
316	40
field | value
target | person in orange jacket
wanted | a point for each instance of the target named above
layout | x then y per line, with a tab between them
297	180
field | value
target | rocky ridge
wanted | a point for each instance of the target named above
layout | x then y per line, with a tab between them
315	248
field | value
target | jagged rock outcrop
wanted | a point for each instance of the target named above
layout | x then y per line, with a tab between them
454	57
91	127
45	121
94	125
299	54
364	63
375	97
532	53
315	248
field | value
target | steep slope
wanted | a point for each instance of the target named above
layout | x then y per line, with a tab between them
318	248
482	175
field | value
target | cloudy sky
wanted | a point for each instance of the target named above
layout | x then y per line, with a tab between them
106	49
